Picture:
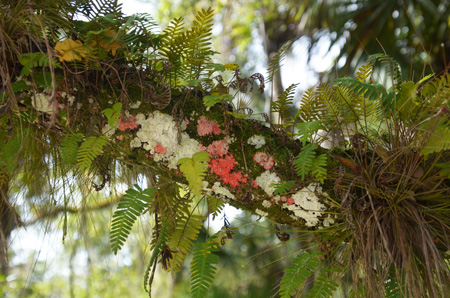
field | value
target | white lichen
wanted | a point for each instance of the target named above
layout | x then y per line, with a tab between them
135	105
41	102
260	212
307	205
160	129
220	190
257	141
266	203
266	179
135	143
108	131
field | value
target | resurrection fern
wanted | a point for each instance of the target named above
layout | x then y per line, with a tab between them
438	141
161	238
215	206
172	46
96	8
364	73
284	101
113	114
132	205
89	150
318	168
295	275
304	161
367	90
195	170
311	108
183	237
323	286
198	46
203	268
393	69
275	62
306	130
283	187
69	148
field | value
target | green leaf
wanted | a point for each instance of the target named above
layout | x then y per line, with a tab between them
113	114
69	148
89	150
305	130
323	286
211	100
283	187
203	268
295	275
195	170
132	205
304	161
318	168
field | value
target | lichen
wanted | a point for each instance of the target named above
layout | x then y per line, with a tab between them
261	213
266	179
264	159
207	127
41	102
220	190
222	167
257	141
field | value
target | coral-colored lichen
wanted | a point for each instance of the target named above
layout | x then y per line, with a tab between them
127	123
120	138
290	201
218	148
222	167
254	184
264	159
160	149
207	127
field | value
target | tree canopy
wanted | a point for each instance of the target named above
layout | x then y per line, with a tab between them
362	169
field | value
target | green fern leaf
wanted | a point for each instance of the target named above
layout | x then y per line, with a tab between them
285	100
275	62
283	187
130	207
203	268
89	150
183	237
306	130
69	148
305	159
113	114
215	206
195	170
302	267
323	286
312	107
393	69
160	241
438	141
364	72
319	168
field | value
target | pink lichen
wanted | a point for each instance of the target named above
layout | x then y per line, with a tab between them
290	201
222	167
207	127
160	149
127	123
218	148
254	184
186	120
120	138
264	159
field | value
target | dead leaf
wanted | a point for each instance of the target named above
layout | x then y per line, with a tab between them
70	50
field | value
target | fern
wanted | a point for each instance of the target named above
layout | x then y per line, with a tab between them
438	141
113	114
305	160
215	206
306	130
302	267
69	148
318	168
203	268
10	148
89	150
364	72
183	237
285	100
392	67
370	91
96	8
323	286
172	46
275	62
311	108
160	241
195	170
130	207
283	187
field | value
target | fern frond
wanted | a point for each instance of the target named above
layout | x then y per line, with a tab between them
302	267
285	100
96	8
172	46
319	168
69	148
364	72
306	130
311	107
132	205
203	268
323	286
160	241
393	69
183	237
275	62
438	141
304	161
215	206
370	91
89	150
195	170
283	187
